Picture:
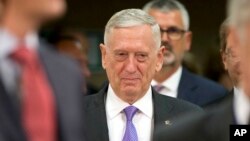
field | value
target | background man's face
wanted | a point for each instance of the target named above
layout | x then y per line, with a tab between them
166	21
131	59
41	8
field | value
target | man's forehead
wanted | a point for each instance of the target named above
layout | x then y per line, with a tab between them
133	32
168	18
133	45
167	14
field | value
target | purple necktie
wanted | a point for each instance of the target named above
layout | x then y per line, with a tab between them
130	133
158	88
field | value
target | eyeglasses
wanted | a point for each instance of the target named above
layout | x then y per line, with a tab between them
173	33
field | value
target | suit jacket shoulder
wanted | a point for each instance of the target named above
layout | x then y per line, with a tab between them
169	109
199	90
210	126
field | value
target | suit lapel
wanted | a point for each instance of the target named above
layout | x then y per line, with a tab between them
162	108
10	118
185	88
96	115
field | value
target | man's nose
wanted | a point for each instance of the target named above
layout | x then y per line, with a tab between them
164	37
131	64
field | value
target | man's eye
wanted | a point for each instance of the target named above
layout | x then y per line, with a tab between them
142	57
120	56
173	30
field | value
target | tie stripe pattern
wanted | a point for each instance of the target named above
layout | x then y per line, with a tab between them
130	133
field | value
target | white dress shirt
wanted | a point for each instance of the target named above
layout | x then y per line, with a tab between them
8	69
241	105
116	118
171	84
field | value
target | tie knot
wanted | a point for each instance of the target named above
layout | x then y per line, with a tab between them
158	87
130	112
24	56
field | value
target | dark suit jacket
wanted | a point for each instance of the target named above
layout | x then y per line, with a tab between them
165	108
210	126
199	90
66	81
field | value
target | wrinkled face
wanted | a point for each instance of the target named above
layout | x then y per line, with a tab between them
42	8
177	47
131	59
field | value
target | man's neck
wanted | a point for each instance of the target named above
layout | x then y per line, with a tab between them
165	73
17	23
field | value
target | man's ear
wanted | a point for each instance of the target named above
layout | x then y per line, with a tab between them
188	40
224	59
233	37
160	58
103	51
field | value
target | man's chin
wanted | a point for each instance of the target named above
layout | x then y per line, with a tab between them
130	95
130	82
130	90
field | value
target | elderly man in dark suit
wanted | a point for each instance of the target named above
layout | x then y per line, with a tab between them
40	90
128	108
174	79
234	109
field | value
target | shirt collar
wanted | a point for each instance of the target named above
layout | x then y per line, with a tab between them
241	106
9	42
145	104
114	105
172	82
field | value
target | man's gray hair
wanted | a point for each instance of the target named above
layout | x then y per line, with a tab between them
238	12
168	6
239	15
130	18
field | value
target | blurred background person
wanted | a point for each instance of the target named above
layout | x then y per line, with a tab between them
174	80
40	90
231	60
76	45
215	124
239	12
